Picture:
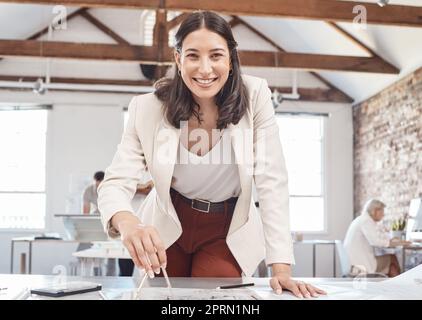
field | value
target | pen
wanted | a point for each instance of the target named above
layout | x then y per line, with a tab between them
140	287
168	282
102	295
236	286
23	295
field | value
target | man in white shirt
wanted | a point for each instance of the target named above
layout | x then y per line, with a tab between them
90	195
363	235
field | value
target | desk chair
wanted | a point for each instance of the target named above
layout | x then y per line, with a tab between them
346	268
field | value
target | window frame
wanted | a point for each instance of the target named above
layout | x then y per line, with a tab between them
324	169
29	107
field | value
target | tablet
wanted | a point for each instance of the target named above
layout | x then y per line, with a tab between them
66	289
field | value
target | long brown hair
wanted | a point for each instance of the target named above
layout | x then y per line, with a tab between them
231	100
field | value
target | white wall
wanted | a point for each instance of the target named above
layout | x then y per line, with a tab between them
84	130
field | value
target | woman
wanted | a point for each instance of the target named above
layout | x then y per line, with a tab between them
200	219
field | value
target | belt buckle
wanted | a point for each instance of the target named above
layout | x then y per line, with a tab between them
203	201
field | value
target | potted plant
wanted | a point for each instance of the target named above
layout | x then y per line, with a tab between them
398	226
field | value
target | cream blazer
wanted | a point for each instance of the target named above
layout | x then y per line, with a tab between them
149	140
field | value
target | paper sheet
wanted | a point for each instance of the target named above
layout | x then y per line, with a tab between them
407	286
192	294
410	277
335	291
14	293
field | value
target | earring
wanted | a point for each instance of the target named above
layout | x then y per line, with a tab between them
230	72
179	73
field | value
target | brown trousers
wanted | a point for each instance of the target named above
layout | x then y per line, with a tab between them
201	250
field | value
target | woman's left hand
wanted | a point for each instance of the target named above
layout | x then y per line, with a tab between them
281	279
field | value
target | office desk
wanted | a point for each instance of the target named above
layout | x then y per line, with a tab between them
94	257
111	284
409	248
314	243
397	250
30	241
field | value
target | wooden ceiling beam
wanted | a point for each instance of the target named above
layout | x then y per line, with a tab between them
327	10
239	21
314	61
350	37
344	97
128	4
360	44
316	94
160	40
176	21
160	33
105	29
148	55
234	22
45	30
70	50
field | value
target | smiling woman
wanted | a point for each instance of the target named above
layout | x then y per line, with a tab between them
200	220
208	72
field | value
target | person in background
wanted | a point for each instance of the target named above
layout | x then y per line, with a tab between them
126	266
364	234
90	206
90	195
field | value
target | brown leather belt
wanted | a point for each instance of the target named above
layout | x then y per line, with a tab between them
206	206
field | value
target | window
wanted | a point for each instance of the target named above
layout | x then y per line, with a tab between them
172	33
302	138
22	169
148	27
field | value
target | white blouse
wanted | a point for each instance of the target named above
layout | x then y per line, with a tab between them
361	238
213	176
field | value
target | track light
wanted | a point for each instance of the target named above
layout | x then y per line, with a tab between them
382	3
39	87
276	98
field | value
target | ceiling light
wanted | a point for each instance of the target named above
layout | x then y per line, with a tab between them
39	86
276	98
382	3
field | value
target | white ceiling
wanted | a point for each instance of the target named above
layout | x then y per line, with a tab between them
401	46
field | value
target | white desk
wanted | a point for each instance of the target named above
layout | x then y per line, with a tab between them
94	258
397	250
128	283
30	241
411	247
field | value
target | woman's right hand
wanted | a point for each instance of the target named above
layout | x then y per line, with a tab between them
143	242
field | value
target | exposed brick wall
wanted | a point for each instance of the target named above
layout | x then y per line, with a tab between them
388	146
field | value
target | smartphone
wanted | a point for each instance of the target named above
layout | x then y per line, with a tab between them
67	289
